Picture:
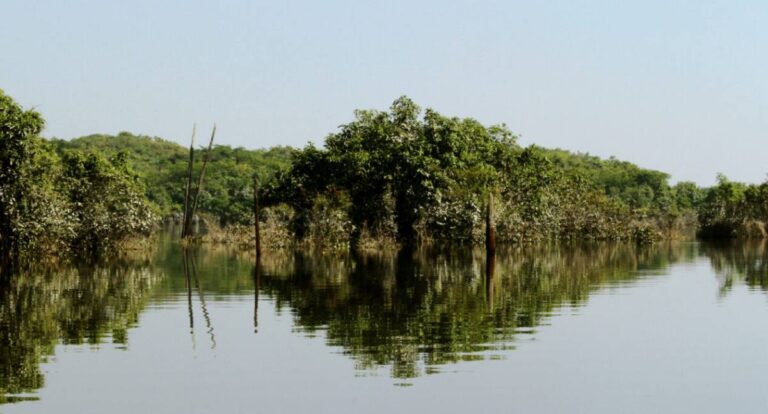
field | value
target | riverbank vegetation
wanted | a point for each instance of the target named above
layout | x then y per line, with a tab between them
731	209
399	176
413	175
60	201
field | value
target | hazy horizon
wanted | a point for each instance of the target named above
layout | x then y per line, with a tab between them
673	86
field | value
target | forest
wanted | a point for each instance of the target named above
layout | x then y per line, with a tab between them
400	176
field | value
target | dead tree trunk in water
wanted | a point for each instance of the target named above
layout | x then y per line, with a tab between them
256	217
191	205
185	216
490	230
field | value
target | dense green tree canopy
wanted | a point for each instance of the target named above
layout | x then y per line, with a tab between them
49	203
32	214
734	209
415	173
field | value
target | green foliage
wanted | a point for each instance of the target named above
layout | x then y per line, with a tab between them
687	195
162	167
730	207
32	215
47	204
107	200
431	175
636	187
756	200
397	165
148	156
403	173
722	210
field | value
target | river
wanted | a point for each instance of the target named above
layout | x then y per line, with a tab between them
593	328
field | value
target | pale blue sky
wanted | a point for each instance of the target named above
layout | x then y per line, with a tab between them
680	86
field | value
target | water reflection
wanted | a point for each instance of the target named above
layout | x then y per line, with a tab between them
256	289
745	262
190	268
418	311
413	313
72	305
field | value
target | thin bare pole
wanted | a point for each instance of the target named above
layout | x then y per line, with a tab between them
256	216
199	188
185	216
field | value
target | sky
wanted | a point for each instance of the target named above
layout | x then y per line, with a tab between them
678	86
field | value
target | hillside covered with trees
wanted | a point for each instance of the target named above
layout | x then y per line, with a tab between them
162	166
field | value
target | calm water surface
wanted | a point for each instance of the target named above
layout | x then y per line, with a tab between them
548	329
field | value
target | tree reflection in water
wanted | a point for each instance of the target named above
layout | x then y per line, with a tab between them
71	305
745	262
416	311
412	312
